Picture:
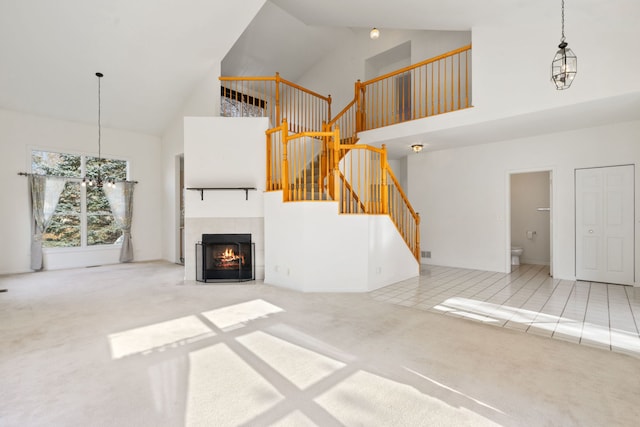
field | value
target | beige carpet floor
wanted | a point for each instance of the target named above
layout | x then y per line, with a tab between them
135	345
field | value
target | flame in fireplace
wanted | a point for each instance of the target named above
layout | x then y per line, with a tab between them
228	259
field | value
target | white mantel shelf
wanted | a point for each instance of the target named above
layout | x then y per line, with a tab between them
203	189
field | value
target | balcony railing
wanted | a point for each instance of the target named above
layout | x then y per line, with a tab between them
434	86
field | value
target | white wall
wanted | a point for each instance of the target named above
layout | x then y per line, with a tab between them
530	227
20	133
224	152
511	72
462	194
399	168
512	65
204	101
310	247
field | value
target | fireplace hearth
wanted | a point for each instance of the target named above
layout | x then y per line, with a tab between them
225	258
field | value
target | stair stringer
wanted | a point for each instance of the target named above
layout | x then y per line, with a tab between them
310	247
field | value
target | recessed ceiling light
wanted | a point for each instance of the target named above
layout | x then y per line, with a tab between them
417	148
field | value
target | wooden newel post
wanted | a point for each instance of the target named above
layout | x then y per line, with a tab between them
324	157
268	165
417	249
285	163
277	122
384	188
335	155
358	99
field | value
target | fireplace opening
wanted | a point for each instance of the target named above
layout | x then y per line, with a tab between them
225	257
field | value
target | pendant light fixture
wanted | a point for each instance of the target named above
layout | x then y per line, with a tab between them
374	33
98	180
565	63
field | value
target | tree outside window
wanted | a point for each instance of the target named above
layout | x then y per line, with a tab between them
83	216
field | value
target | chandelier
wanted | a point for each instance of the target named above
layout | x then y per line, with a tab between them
97	179
565	63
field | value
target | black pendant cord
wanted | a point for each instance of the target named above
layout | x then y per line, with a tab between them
100	75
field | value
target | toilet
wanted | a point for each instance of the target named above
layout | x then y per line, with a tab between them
516	252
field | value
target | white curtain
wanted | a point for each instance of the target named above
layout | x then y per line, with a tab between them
45	192
121	201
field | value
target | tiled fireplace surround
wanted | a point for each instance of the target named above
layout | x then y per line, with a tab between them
196	227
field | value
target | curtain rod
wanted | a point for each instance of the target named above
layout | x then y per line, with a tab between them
71	178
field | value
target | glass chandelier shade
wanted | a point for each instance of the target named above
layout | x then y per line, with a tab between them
565	64
564	67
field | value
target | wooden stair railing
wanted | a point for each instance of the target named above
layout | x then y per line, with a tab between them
312	156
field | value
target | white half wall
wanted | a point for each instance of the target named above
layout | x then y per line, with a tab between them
462	194
224	152
309	247
19	134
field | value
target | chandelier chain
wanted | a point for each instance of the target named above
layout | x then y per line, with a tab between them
562	21
99	124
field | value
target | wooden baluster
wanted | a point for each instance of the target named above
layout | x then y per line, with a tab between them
452	92
417	238
285	163
277	106
269	174
459	56
466	80
385	194
335	177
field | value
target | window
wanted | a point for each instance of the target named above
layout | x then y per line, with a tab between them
82	217
236	104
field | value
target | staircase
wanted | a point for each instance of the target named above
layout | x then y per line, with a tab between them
312	157
311	183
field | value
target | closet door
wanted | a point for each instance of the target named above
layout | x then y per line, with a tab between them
605	224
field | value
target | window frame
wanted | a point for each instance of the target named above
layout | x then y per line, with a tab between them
84	231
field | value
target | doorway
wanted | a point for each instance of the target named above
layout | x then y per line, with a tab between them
179	167
531	221
605	226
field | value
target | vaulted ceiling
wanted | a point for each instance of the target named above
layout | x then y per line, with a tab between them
154	53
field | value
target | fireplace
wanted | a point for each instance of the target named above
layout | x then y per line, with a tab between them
225	257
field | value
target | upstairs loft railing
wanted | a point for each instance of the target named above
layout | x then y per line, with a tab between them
434	86
275	98
317	166
437	85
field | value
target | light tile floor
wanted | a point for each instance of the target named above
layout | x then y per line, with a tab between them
600	315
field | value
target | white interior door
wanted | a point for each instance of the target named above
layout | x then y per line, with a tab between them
605	224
